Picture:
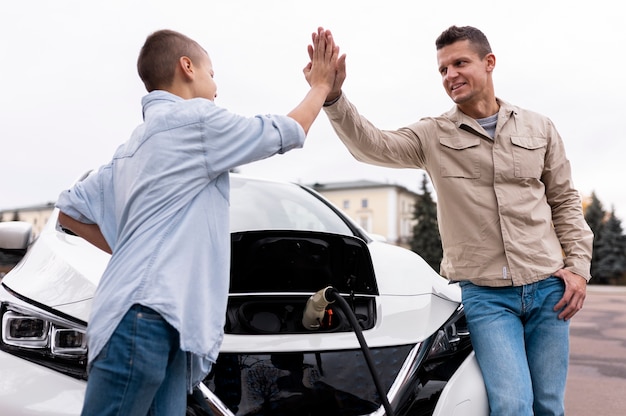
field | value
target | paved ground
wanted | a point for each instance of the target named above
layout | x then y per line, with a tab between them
596	383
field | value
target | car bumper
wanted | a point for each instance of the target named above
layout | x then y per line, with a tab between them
30	389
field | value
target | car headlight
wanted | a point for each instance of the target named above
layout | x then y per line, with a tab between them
452	337
430	366
44	338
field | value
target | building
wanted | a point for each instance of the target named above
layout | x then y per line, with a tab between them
379	208
37	215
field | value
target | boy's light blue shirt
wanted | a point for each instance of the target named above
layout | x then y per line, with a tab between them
162	205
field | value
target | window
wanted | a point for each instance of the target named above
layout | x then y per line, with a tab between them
260	205
365	221
364	203
346	204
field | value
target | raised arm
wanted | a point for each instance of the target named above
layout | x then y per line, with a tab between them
320	74
90	232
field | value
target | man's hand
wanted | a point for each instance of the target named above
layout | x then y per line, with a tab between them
340	73
574	296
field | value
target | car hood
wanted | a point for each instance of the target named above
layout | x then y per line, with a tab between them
61	271
402	272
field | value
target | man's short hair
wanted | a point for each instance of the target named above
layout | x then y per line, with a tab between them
477	39
159	56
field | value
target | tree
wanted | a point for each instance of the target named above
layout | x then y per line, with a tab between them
595	214
426	240
595	217
609	262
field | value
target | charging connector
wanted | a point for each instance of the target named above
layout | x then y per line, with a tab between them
314	314
315	309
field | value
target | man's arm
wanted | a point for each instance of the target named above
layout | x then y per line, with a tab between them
569	224
89	232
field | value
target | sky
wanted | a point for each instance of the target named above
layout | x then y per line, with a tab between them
71	93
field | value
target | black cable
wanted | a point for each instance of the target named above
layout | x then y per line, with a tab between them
333	295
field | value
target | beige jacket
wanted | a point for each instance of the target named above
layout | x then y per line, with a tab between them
508	211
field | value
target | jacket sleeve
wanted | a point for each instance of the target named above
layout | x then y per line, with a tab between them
568	220
400	148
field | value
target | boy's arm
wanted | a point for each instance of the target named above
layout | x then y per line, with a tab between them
90	232
320	73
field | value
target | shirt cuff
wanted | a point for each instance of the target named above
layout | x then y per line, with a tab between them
333	101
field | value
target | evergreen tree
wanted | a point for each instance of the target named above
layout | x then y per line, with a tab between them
609	265
594	215
426	240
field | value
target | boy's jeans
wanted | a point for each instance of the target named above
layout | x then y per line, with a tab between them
140	371
521	346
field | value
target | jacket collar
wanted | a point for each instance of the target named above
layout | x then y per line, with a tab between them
463	121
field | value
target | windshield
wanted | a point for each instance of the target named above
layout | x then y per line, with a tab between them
264	205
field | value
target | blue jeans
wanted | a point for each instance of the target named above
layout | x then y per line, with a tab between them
140	371
521	346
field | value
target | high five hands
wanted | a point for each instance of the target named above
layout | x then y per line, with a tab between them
323	44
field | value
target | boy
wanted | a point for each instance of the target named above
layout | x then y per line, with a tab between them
160	207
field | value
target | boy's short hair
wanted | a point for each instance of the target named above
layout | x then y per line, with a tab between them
477	39
160	54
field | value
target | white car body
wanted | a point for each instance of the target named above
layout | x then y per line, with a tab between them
59	273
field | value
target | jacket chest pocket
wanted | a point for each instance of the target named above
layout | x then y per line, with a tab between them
528	156
459	157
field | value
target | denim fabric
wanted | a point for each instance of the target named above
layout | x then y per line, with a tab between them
521	346
140	371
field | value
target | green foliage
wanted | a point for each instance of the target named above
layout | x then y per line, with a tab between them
608	263
595	214
610	252
426	239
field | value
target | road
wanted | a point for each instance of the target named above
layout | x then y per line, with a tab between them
597	375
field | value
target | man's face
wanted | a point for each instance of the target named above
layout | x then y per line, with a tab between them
465	76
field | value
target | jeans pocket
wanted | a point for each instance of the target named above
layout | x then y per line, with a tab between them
146	313
104	352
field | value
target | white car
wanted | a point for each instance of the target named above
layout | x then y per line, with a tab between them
321	319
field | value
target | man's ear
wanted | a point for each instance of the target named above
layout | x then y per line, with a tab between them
186	67
491	61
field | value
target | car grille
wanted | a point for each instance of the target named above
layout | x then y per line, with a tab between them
304	384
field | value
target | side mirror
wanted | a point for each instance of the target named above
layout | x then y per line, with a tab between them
15	235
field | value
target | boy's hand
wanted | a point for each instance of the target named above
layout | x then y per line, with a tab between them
340	66
322	69
321	74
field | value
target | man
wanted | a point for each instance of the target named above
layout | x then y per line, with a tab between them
160	206
511	222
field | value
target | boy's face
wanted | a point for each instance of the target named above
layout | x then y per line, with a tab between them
205	84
